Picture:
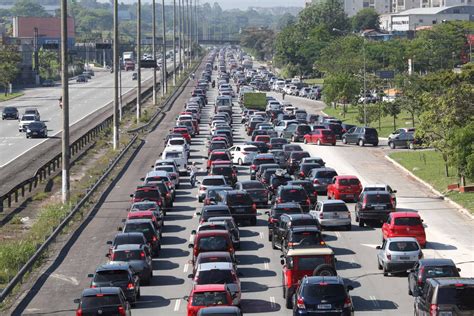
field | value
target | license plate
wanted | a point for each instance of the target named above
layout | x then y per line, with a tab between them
350	195
379	207
404	258
35	133
335	215
324	306
240	210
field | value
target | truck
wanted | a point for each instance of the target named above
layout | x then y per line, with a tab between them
128	61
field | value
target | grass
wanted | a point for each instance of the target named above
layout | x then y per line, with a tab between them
10	96
313	81
386	122
429	166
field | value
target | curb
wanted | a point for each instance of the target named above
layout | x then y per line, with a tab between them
460	208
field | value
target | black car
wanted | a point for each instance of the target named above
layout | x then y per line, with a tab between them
293	193
220	311
241	205
288	148
321	178
146	227
335	128
280	177
294	160
81	78
430	268
120	275
36	129
267	174
166	193
361	136
373	206
209	211
10	112
325	295
305	169
261	169
276	212
258	160
279	156
255	189
405	140
136	238
103	301
262	146
308	187
288	221
301	130
446	296
302	237
228	172
277	142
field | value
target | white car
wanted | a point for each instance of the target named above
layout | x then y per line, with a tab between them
243	154
172	171
178	154
401	131
178	141
25	121
282	125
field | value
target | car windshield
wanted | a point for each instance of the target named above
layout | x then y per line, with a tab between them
177	142
250	149
173	155
326	174
222	102
164	168
440	272
143	194
326	132
218	145
144	228
215	276
299	155
252	185
349	182
287	210
94	302
143	206
127	255
309	263
293	194
213	181
128	240
35	125
28	118
408	221
238	199
403	246
213	243
339	207
111	276
225	171
378	198
460	296
324	290
209	298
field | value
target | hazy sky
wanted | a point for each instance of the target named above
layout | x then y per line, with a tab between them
241	4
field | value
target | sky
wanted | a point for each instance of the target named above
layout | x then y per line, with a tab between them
240	4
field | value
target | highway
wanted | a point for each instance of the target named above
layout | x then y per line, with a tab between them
449	235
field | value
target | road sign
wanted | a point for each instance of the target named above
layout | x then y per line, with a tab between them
386	74
50	46
149	63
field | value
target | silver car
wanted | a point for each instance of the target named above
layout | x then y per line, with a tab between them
398	254
208	181
332	213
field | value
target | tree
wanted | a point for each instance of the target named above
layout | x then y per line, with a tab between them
393	109
28	8
328	13
411	88
9	59
462	156
342	88
285	20
372	113
365	19
48	64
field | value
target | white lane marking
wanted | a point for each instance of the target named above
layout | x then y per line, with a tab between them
272	302
194	215
261	235
186	267
191	237
370	245
338	234
176	305
266	265
374	301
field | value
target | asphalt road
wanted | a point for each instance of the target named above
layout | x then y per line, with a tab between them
449	234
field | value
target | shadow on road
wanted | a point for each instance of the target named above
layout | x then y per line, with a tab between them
164	265
151	301
363	305
259	306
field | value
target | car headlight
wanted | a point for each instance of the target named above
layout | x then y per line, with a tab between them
28	130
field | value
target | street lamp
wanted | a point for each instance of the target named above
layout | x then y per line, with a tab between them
364	73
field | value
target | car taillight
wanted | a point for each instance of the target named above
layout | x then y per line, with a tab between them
93	286
142	254
420	276
154	238
315	193
130	286
389	257
279	200
291	244
300	303
112	257
433	309
254	206
253	167
79	312
321	215
315	181
168	194
301	174
308	201
364	202
347	302
273	220
121	311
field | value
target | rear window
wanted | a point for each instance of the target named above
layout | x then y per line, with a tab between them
111	276
370	131
408	221
292	148
213	243
251	149
326	132
92	302
127	255
440	272
403	246
142	194
309	237
173	155
213	181
349	182
326	174
303	129
335	208
307	167
309	263
238	199
287	210
210	298
128	239
304	222
215	276
213	227
298	155
378	198
144	228
294	195
252	185
461	296
214	259
219	157
164	168
222	170
217	146
177	141
261	161
324	291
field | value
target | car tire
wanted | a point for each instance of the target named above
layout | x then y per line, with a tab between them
361	223
240	162
318	142
273	243
344	140
385	271
392	145
334	144
375	144
289	301
379	266
361	143
324	270
349	227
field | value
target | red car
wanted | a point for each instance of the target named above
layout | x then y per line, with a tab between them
404	224
183	131
208	295
147	193
344	188
262	138
320	137
212	240
218	155
146	214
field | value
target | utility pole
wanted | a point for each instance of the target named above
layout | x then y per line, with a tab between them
153	43
186	33
164	70
65	104
180	37
189	4
35	47
174	42
365	85
139	56
115	68
197	25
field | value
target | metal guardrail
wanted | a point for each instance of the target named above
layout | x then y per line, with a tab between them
78	145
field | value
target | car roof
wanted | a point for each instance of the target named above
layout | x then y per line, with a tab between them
436	262
323	279
140	213
299	216
128	247
215	266
215	207
377	192
325	169
310	252
413	214
209	287
113	266
157	173
290	187
304	229
452	281
101	290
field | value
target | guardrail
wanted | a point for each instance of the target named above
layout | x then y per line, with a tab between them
28	266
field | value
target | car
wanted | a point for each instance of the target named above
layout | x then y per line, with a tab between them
211	193
148	206
231	226
148	229
373	206
36	129
305	168
404	224
208	181
321	178
259	160
220	311
103	301
160	179
262	146
398	254
300	131
288	148
262	168
213	256
361	136
202	296
48	83
446	296
262	138
120	275
299	263
313	159
173	174
178	141
32	111
137	256
279	156
300	237
229	173
405	140
10	112
332	213
276	212
382	187
25	120
209	211
178	154
293	193
148	193
135	238
288	221
320	137
346	188
430	268
241	205
294	159
277	143
280	177
255	189
219	273
81	78
401	131
218	155
151	215
323	295
211	240
335	127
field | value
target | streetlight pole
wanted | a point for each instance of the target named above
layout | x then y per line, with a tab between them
164	71
115	68
139	56
190	31
153	43
174	42
65	105
180	36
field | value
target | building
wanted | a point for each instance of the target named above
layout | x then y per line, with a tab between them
413	19
351	7
47	28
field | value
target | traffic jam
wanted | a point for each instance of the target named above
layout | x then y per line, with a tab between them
258	171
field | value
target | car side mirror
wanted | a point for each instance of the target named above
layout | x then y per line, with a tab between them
142	179
394	191
153	166
378	247
107	255
190	276
190	246
267	212
90	275
186	298
282	261
131	195
193	232
459	269
109	242
350	288
198	213
119	229
77	300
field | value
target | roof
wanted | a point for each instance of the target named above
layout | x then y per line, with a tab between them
404	214
213	177
113	266
209	287
215	207
215	266
452	281
427	11
138	221
157	173
310	252
436	262
128	247
323	279
100	290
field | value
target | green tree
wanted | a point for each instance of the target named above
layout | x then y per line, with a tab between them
372	113
48	64
341	88
462	156
393	109
411	88
328	13
28	8
366	18
9	59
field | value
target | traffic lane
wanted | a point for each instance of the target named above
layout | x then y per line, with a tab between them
66	277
